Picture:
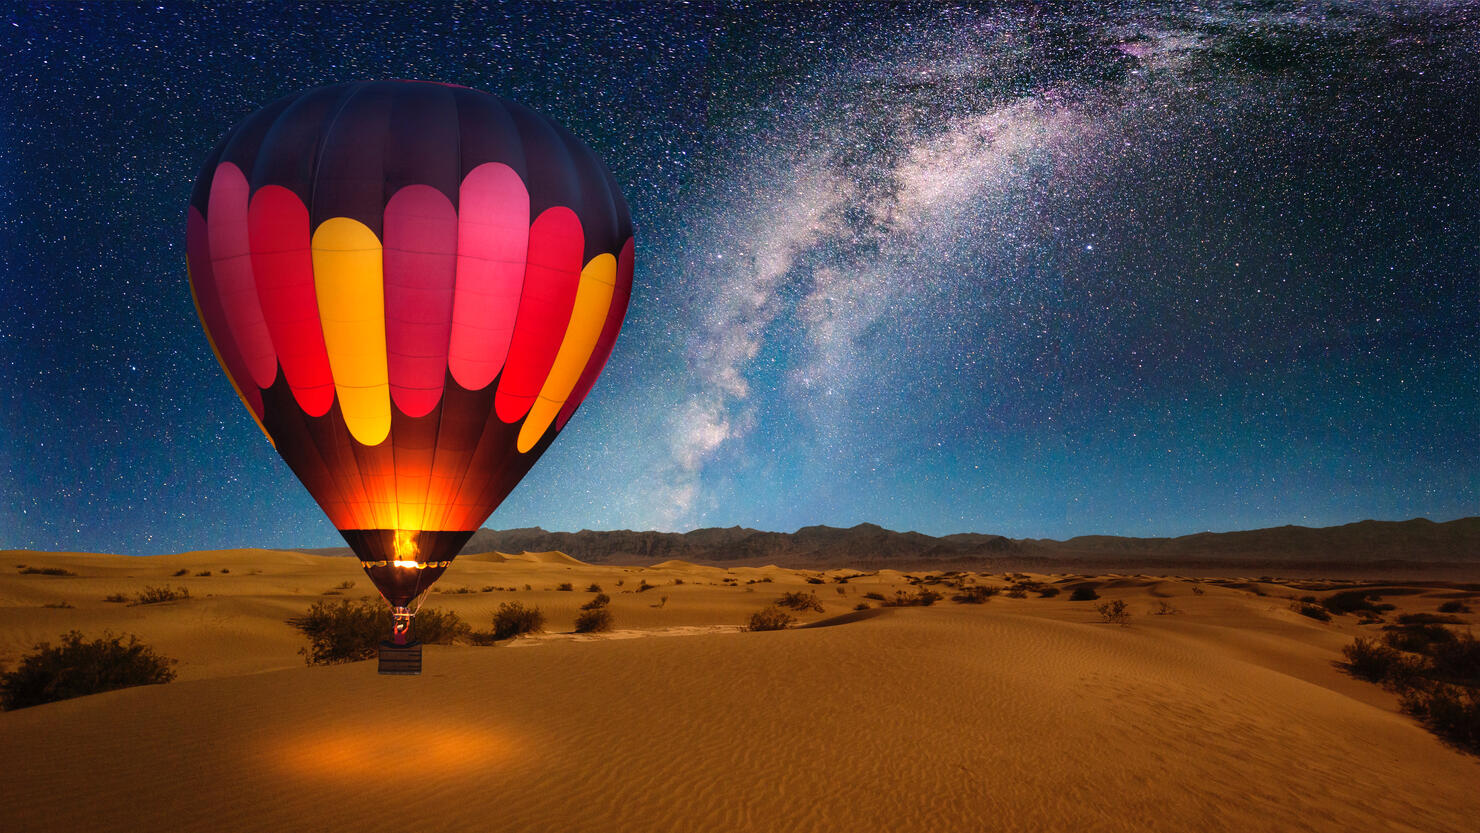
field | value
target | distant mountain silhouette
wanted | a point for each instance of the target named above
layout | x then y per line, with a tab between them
1417	544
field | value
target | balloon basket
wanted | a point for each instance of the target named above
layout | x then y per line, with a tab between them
402	660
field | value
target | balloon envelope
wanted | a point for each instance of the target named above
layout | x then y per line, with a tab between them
412	287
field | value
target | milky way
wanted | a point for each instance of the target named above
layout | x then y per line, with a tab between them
1131	270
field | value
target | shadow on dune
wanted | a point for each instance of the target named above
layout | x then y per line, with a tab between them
846	618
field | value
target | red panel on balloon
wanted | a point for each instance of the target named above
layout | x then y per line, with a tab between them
550	283
283	264
420	268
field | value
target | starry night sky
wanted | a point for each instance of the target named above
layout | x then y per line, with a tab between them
1111	268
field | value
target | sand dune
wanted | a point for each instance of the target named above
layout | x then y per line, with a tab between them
1019	714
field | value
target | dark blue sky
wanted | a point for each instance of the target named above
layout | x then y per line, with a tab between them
1126	270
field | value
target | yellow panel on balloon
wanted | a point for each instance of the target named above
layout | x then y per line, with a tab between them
593	299
351	296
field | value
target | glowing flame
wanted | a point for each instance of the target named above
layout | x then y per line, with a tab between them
415	565
405	544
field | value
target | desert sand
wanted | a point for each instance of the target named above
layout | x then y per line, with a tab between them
1018	714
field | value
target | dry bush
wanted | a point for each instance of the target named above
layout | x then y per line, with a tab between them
1454	606
159	595
514	619
770	618
1016	591
181	572
1047	592
1369	659
1116	612
46	571
203	574
1313	611
594	588
600	600
345	631
878	597
1164	608
975	594
1083	593
1351	601
643	586
566	587
923	597
77	668
1416	639
861	606
1450	711
594	620
115	597
800	602
1197	590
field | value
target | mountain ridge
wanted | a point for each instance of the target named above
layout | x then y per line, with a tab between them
1417	544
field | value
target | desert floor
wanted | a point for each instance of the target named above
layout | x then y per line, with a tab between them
1018	714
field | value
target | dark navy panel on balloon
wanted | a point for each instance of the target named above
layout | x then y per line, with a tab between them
350	180
289	155
422	145
487	133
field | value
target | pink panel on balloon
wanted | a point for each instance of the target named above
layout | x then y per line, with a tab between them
621	295
282	263
492	242
421	238
556	244
203	281
231	258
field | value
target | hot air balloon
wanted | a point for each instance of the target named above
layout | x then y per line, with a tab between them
412	287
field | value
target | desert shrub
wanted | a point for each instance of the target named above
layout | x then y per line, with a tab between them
1164	608
1369	659
594	620
1016	591
861	606
1351	601
600	600
1083	593
59	605
203	574
181	572
770	618
225	570
1417	639
76	668
1457	660
566	587
345	585
1047	592
975	594
160	595
643	586
1116	612
923	597
115	597
1197	590
514	619
800	601
435	626
46	571
1313	611
1454	606
594	588
349	631
842	591
1428	619
878	597
1449	711
813	580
